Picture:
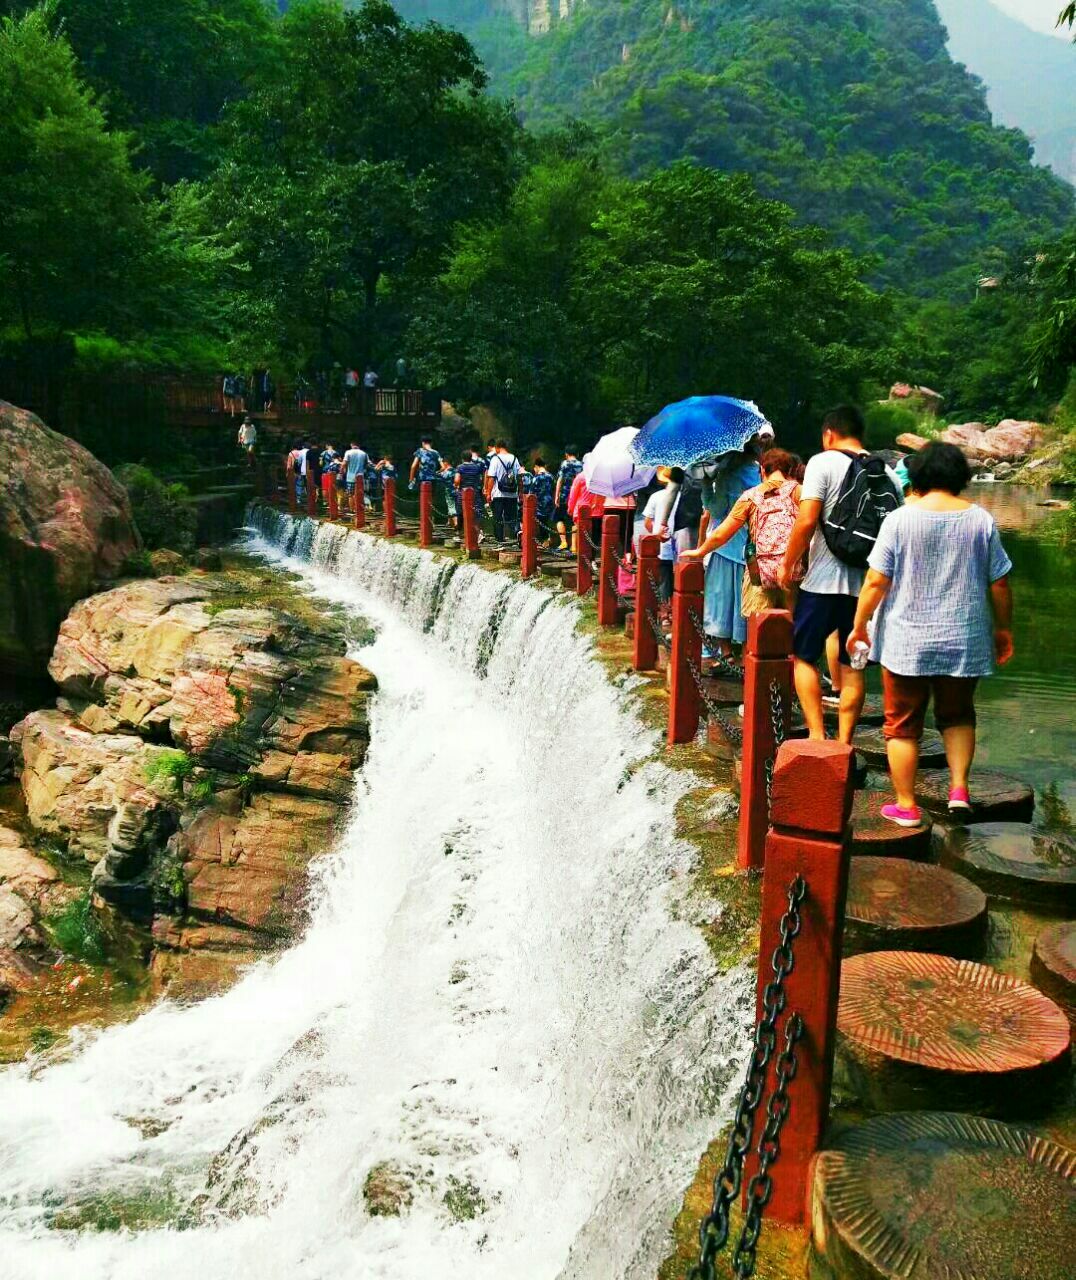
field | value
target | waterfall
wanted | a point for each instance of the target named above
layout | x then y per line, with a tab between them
500	1009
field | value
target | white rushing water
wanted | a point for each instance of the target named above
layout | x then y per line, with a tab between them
498	993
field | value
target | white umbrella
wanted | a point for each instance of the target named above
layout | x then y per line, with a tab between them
610	469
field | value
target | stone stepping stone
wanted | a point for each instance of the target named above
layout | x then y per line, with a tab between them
920	1031
873	836
1013	860
1053	966
937	1196
914	906
724	693
873	715
995	797
871	746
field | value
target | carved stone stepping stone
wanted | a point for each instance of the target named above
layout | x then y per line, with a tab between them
917	1031
723	693
995	797
873	836
872	716
1013	860
871	746
938	1196
914	906
629	624
1053	966
509	557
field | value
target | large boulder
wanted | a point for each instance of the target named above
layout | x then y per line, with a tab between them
1009	441
65	528
922	397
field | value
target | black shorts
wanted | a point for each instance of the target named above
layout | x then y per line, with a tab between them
816	619
562	516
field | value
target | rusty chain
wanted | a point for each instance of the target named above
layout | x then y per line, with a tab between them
714	1228
777	721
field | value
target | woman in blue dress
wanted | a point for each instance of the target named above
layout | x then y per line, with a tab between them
723	619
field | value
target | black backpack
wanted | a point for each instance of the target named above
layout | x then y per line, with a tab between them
507	481
867	496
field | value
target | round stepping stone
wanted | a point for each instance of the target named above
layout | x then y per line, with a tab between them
914	906
872	715
1053	966
930	1196
1013	860
995	797
919	1031
871	746
723	693
874	836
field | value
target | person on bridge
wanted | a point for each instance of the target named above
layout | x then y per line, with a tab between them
579	497
355	462
939	585
543	486
502	492
828	592
470	475
247	438
426	463
569	469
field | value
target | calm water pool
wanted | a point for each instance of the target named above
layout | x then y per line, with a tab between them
1028	709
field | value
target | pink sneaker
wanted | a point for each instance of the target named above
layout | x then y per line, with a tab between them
959	800
902	817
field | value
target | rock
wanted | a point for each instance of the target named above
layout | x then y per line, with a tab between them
1012	440
910	441
388	1190
16	919
207	558
969	436
930	401
163	562
65	526
17	974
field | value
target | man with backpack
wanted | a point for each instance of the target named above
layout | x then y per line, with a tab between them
847	492
502	492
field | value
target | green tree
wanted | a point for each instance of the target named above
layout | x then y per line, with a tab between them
344	176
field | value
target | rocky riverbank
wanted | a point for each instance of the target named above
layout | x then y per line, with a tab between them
200	754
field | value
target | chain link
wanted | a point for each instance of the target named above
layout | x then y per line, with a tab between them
777	720
714	1229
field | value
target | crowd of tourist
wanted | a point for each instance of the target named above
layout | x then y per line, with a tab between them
879	559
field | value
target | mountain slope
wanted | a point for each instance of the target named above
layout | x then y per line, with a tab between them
1030	78
850	110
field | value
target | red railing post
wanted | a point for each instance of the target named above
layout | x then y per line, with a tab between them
812	802
425	513
389	491
610	553
358	502
767	693
685	702
289	483
469	504
331	496
646	602
584	574
528	565
311	494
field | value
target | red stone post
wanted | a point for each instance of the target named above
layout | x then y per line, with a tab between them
332	497
685	703
425	513
584	574
389	491
358	502
607	593
812	802
646	602
470	522
289	483
766	664
528	565
311	495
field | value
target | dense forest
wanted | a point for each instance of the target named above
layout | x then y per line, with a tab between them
791	204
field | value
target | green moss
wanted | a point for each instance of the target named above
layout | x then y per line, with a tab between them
169	766
77	932
463	1200
155	1206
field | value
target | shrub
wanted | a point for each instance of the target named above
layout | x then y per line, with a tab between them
885	422
77	932
172	766
163	512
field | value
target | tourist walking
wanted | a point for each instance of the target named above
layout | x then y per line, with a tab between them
247	439
470	478
658	519
579	497
723	619
425	464
569	469
938	588
502	492
846	494
445	481
543	486
768	512
355	462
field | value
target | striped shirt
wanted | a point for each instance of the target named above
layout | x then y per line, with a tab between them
936	620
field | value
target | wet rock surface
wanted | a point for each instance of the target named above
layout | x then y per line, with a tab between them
200	755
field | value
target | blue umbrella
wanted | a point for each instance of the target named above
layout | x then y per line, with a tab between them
701	427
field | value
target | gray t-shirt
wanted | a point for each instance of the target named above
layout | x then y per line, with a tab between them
826	575
936	619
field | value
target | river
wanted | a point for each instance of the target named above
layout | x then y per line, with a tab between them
500	994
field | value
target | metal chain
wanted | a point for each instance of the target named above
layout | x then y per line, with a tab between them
760	1188
777	720
733	732
714	1228
659	631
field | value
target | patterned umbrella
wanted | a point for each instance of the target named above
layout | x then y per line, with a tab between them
609	468
685	434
